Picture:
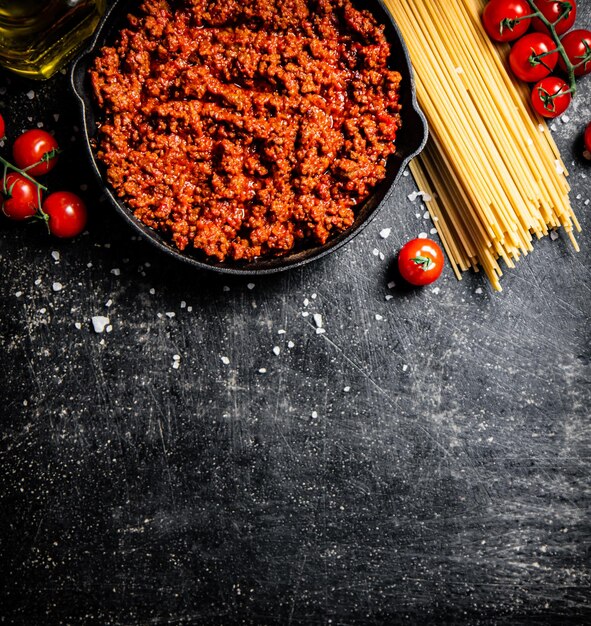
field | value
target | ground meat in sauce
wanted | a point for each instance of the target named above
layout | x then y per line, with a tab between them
247	127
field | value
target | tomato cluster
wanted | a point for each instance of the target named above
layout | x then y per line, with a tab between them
535	56
35	153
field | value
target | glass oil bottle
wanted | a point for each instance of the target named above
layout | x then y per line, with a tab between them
38	37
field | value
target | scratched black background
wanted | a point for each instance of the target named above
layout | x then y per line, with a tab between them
448	484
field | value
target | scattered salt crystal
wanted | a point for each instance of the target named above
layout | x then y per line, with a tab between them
404	368
579	196
108	328
56	117
225	360
38	281
189	309
176	365
379	317
314	414
382	256
78	325
314	296
39	124
281	331
18	294
436	290
276	350
152	291
290	344
147	264
426	215
183	304
586	203
170	314
406	173
159	316
108	303
553	235
57	286
30	94
391	284
433	231
347	389
553	128
176	357
305	314
479	291
250	286
320	331
225	288
389	297
565	119
116	271
375	252
42	310
423	235
318	320
99	323
89	264
263	370
306	302
384	234
56	255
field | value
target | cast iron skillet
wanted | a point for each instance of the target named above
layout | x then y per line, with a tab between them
411	140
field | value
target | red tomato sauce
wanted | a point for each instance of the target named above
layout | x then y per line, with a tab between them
245	128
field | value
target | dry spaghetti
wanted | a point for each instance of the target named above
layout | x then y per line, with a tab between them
491	166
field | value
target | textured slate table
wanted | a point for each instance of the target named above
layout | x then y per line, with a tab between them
425	460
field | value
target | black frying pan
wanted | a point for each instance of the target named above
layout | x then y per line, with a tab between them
410	141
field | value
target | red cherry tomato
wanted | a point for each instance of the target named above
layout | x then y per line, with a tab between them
36	152
529	57
577	45
2	128
421	262
67	214
20	198
551	97
506	20
560	13
588	138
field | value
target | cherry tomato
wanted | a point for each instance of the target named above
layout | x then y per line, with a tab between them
527	60
551	97
421	262
577	45
2	128
588	138
66	212
36	152
560	13
19	197
506	20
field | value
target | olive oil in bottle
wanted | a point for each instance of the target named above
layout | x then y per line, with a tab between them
38	37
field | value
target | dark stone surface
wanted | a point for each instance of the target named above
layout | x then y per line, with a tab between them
448	484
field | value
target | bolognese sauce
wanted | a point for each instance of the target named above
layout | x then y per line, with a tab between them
246	128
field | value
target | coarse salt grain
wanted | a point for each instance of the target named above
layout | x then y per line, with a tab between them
305	314
176	365
38	281
57	286
318	320
379	317
78	325
99	323
384	234
389	297
176	357
30	94
276	350
391	284
426	215
306	302
404	368
423	235
152	291
250	286
553	235
56	255
436	290
108	328
320	331
108	303
281	331
375	252
170	314
18	294
116	271
479	291
314	414
225	288
290	344
263	370
347	389
183	304
225	360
